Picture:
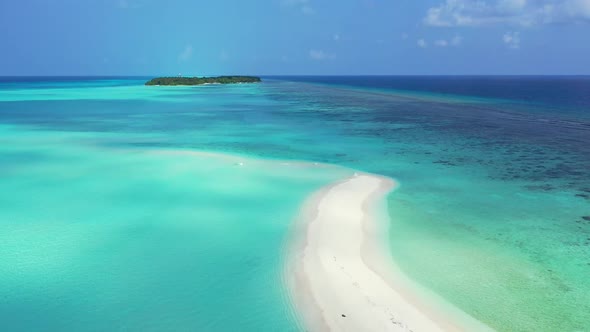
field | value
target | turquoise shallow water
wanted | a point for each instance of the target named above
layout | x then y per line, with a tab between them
106	239
100	230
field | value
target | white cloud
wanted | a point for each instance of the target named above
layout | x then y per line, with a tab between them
186	54
455	41
512	39
581	7
320	55
441	43
303	5
507	12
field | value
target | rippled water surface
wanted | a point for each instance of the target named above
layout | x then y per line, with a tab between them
102	226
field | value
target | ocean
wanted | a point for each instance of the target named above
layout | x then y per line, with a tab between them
127	207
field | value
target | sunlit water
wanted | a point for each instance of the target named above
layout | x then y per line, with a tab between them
104	224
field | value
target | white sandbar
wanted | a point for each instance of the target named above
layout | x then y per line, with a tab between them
340	274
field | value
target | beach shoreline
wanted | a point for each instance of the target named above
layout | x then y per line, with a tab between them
340	274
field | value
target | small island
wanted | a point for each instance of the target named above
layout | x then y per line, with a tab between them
202	80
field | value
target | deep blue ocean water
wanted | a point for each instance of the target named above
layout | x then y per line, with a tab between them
493	213
556	93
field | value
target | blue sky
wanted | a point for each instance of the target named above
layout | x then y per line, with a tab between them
198	37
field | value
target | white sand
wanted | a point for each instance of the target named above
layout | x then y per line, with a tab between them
342	278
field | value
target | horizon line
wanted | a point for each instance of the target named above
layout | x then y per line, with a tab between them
316	75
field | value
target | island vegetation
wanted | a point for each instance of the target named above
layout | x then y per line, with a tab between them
202	80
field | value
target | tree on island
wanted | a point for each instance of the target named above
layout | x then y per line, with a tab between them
202	80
